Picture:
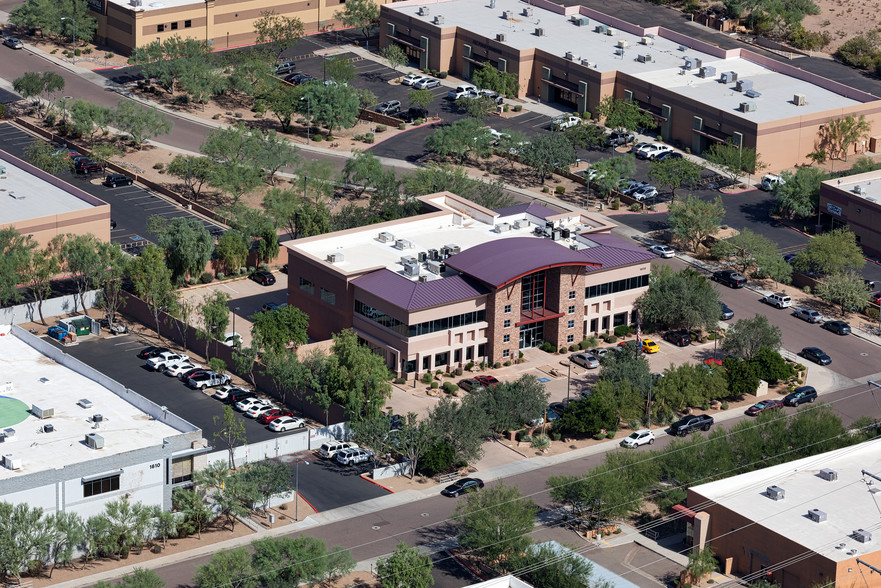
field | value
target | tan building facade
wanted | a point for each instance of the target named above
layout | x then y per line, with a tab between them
577	56
854	202
222	23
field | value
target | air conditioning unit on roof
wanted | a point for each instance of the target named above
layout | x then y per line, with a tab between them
747	107
12	462
817	515
570	56
527	11
744	85
729	77
646	40
799	99
94	441
707	71
862	536
438	20
775	492
829	475
539	32
500	37
411	269
644	58
335	257
622	43
508	14
423	11
611	32
386	237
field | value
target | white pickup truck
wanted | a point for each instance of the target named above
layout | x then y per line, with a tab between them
565	122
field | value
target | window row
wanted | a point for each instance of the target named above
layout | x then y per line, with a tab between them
173	27
617	286
326	295
101	486
441	324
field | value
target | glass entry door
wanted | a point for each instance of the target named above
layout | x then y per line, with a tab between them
531	335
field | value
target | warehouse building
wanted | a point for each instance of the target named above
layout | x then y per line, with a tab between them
854	202
462	283
698	93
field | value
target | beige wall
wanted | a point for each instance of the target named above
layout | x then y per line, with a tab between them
95	220
862	216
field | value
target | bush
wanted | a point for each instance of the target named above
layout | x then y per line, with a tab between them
53	52
402	126
358	137
160	166
381	128
562	350
442	75
589	342
616	204
505	108
317	138
458	371
109	55
497	365
610	434
560	190
418	121
78	52
215	116
427	378
541	441
635	207
220	275
872	313
182	99
434	385
611	339
507	363
469	365
547	346
206	278
87	51
523	437
400	381
573	348
807	289
724	406
545	189
369	138
555	436
623	330
518	107
439	458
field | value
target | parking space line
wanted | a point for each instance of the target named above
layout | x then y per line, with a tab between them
142	195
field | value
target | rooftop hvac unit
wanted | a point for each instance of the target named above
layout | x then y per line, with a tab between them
611	32
692	63
539	32
136	3
48	428
11	462
799	99
503	228
508	14
752	94
422	256
581	21
411	269
857	189
423	11
436	267
97	418
747	107
527	11
557	234
646	40
587	63
7	435
744	85
601	28
403	244
816	515
571	56
522	224
95	441
566	233
438	20
407	259
729	77
644	58
500	37
433	255
683	48
622	43
423	279
385	237
85	403
862	536
335	257
619	51
829	475
42	412
707	71
775	492
454	249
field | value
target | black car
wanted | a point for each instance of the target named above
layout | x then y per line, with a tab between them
619	138
284	269
837	327
298	78
691	423
469	384
730	278
800	395
389	107
151	352
727	313
462	486
678	338
413	113
816	355
114	180
238	396
263	277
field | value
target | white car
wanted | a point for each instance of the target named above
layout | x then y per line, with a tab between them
249	403
565	122
258	410
497	135
426	83
652	150
411	79
177	368
286	423
637	438
461	91
771	181
495	97
224	391
353	456
164	359
644	192
232	339
637	146
664	251
632	186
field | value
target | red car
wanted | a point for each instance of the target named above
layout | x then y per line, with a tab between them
487	381
764	406
270	415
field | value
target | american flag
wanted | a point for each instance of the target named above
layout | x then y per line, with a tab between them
638	333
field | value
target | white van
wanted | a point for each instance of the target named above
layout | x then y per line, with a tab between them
771	181
778	300
462	90
330	449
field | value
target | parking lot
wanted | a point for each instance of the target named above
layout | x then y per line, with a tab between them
130	206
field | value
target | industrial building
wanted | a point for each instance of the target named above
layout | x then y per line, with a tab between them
854	202
461	283
699	94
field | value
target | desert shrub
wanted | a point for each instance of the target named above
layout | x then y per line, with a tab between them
497	365
611	339
560	189
434	385
518	107
573	348
507	363
427	378
400	381
402	126
381	128
317	138
562	349
206	278
623	330
635	207
220	275
469	365
541	441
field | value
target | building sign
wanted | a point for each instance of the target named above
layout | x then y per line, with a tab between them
97	6
836	210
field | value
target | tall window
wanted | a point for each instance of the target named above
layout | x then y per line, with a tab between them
306	285
532	292
328	296
181	469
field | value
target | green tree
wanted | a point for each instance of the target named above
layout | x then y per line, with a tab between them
461	426
236	152
547	152
268	479
861	50
232	251
333	106
43	156
196	513
31	85
151	280
611	171
687	385
23	536
412	441
623	114
701	562
838	135
165	524
680	300
302	217
746	336
340	69
361	170
586	136
80	257
490	78
510	405
42	265
830	253
66	534
693	219
214	311
438	178
590	416
87	118
275	153
282	32
421	98
288	561
633	368
733	160
187	243
129	523
395	55
774	267
478	108
461	139
16	255
140	122
548	566
799	194
495	523
282	100
847	289
674	173
109	277
744	249
407	567
177	63
195	171
230	430
359	14
279	329
358	377
231	567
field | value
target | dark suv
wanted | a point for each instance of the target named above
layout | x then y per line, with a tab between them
678	338
413	113
88	166
800	395
114	180
691	423
730	278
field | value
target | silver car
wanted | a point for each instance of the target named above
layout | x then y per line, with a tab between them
806	314
585	360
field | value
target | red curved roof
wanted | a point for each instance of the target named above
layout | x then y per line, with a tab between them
501	261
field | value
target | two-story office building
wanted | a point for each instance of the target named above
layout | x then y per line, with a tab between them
462	283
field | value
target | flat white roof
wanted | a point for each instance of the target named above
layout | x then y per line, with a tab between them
850	503
866	186
362	248
562	36
24	196
33	379
152	5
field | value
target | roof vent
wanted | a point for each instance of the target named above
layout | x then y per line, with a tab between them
571	56
775	492
453	249
42	412
707	71
587	63
799	99
436	267
683	48
438	20
817	515
644	58
8	435
423	11
335	257
135	2
94	441
829	475
580	21
500	37
405	259
422	279
744	85
48	428
539	32
857	189
862	536
385	237
747	107
752	94
85	403
97	418
11	462
16	196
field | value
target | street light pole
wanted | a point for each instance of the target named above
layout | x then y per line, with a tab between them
234	324
568	379
72	20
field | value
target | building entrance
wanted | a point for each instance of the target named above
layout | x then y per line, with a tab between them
531	335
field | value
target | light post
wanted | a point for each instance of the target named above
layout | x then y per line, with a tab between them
235	310
569	379
72	20
308	117
297	491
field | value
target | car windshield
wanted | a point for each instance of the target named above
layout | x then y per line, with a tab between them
633	436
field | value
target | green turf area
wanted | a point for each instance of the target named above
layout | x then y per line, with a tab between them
12	411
